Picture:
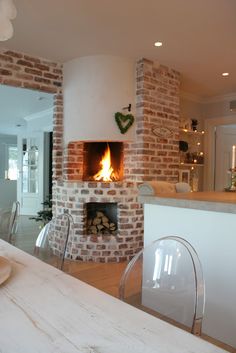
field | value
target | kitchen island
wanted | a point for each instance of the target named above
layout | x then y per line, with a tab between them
208	221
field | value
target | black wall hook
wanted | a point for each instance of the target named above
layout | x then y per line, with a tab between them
128	107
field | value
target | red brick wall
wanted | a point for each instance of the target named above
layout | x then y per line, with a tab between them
25	71
57	153
73	161
157	105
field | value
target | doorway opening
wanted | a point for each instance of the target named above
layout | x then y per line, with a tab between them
225	139
26	125
216	172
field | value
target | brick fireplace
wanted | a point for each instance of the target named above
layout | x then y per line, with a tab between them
150	156
111	204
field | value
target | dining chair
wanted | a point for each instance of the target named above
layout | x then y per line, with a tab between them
9	222
166	280
4	223
13	224
51	243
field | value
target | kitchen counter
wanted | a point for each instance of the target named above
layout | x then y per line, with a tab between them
207	220
208	201
44	310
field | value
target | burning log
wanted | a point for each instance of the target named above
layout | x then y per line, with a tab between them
106	173
101	224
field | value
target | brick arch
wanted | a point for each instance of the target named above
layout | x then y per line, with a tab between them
21	70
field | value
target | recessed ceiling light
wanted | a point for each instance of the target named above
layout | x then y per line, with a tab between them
158	44
225	74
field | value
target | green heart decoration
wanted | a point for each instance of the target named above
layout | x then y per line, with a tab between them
124	122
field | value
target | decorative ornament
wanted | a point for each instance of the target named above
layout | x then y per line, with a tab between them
194	124
124	121
162	132
183	146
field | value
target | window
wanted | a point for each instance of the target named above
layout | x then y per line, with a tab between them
12	163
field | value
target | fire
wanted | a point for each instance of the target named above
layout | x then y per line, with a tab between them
106	173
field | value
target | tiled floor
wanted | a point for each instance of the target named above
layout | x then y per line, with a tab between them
105	277
27	233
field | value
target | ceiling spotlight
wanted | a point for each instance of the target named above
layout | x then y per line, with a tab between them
158	44
225	74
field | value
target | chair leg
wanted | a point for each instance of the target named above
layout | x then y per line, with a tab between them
197	327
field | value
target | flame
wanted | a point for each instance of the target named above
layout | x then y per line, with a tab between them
106	173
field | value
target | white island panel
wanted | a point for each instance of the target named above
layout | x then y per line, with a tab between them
213	235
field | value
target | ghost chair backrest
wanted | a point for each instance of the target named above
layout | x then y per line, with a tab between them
9	222
51	243
5	215
166	280
13	222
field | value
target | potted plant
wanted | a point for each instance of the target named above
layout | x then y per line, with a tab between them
45	215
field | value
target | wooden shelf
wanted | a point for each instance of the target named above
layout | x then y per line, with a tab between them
191	132
191	164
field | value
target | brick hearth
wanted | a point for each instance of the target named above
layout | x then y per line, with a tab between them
73	196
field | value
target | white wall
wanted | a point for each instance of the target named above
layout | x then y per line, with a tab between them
192	109
7	193
4	141
7	187
41	121
218	107
96	87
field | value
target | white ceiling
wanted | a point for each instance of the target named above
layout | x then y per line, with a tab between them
199	36
18	103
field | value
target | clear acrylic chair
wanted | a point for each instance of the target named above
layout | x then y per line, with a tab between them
165	279
9	222
52	241
5	215
13	224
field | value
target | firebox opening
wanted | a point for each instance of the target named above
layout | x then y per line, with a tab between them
103	161
101	218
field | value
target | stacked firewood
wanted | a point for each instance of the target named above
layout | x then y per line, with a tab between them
100	224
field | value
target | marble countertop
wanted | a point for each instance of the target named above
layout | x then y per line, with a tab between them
44	310
207	201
